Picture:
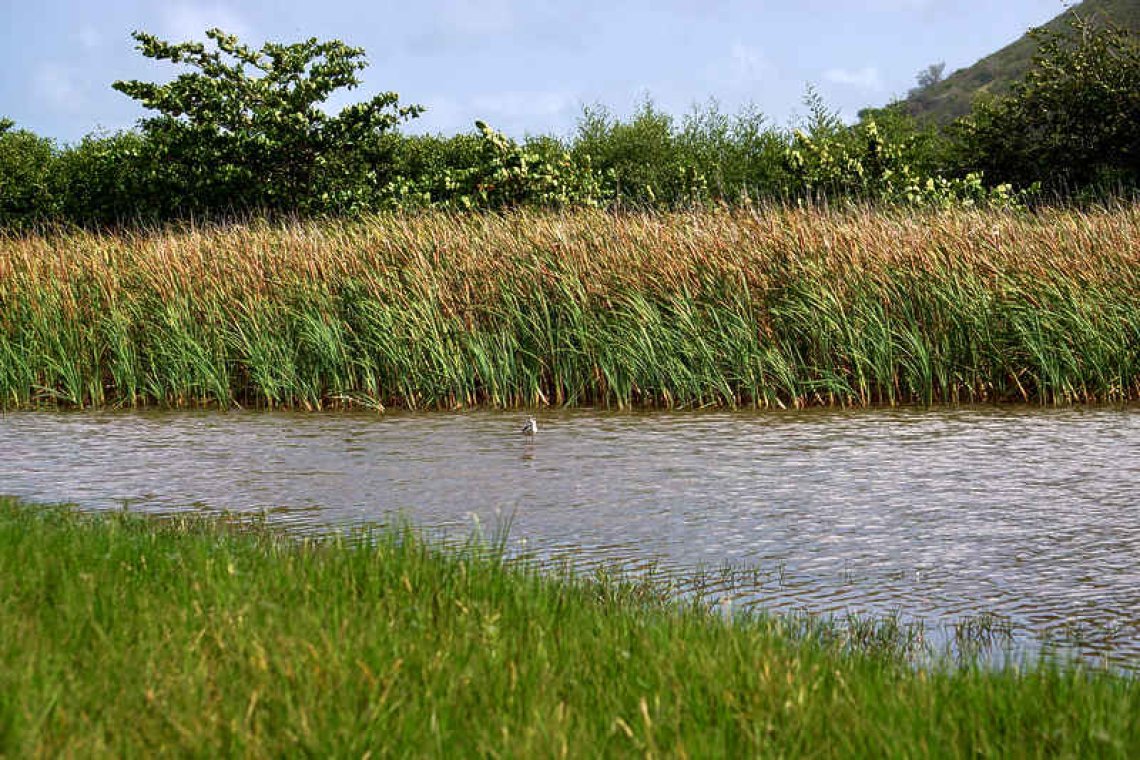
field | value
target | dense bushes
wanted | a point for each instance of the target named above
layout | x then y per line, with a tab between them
493	171
647	161
26	163
224	142
862	162
709	155
114	178
1073	122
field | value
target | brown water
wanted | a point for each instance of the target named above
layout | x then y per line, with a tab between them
1029	514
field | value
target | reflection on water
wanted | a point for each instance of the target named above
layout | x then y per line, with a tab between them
1030	514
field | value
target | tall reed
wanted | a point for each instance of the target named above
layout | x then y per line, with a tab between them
768	306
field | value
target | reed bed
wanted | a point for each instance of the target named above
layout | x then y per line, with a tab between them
133	637
772	306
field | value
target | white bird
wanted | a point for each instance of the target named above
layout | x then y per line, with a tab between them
531	427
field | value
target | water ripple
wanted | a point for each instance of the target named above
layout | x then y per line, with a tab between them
1030	514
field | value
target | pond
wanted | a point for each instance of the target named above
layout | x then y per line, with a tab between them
1030	515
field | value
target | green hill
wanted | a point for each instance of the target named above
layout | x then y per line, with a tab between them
950	98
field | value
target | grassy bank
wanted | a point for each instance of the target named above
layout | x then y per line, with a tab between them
773	307
132	637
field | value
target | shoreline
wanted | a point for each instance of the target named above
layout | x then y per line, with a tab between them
233	640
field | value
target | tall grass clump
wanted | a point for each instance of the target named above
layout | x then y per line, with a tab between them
130	637
755	306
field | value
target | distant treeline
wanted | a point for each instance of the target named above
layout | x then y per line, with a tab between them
225	141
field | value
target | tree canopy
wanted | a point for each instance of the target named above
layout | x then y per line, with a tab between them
246	123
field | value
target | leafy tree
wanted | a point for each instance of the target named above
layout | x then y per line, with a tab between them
1073	122
419	156
928	149
930	76
244	127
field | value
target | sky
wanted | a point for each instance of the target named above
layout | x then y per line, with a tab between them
523	67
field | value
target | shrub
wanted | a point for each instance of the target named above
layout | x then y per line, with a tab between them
1072	123
25	170
898	164
497	172
114	179
739	156
643	155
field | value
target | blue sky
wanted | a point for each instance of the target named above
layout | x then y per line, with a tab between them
524	67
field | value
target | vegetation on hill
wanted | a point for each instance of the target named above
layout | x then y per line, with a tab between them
1073	122
942	100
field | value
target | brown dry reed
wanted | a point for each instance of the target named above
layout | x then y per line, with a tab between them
760	307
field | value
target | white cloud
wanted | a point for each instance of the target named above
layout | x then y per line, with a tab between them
444	114
89	37
512	112
897	5
514	105
58	86
867	78
463	24
186	21
749	63
477	17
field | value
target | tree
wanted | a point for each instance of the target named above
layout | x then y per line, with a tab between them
245	129
930	76
1072	123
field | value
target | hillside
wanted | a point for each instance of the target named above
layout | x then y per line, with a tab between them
947	100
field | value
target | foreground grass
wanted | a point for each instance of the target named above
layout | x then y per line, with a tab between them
128	637
773	306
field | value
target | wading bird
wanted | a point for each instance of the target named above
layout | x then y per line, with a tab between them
531	427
